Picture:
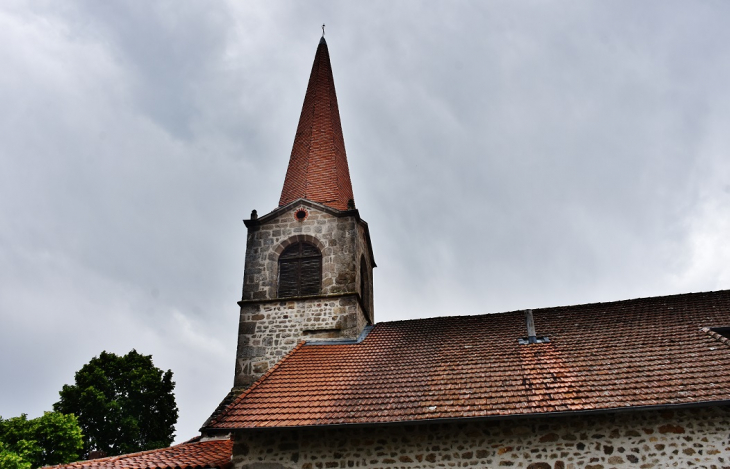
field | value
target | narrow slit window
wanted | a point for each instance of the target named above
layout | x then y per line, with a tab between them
364	286
300	271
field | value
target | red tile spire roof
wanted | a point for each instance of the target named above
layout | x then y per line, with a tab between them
318	164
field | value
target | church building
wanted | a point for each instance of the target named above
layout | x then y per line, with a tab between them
318	383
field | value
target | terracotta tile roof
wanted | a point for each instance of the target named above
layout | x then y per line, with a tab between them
642	352
189	455
318	168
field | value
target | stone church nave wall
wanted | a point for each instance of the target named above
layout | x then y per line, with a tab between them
644	439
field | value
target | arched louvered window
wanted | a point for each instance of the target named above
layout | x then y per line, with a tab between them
300	270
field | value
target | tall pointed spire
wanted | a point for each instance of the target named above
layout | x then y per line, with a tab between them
318	164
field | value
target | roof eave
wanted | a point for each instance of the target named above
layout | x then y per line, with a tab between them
567	413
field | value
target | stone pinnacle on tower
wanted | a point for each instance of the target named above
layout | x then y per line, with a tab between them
318	168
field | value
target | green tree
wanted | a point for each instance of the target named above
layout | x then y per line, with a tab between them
124	404
11	460
53	438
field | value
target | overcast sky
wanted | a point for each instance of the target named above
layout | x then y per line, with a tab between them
506	155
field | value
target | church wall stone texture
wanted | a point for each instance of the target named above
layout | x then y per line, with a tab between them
270	327
270	330
698	437
341	240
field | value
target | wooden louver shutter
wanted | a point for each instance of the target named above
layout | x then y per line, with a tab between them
288	274
300	270
309	276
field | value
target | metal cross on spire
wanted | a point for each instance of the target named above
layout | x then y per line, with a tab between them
322	30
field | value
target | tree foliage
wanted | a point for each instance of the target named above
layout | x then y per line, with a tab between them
11	460
51	439
124	404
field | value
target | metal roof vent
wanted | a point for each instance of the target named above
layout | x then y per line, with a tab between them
531	336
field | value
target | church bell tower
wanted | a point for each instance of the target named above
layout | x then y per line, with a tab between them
308	273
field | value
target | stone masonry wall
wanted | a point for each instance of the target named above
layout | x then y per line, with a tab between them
270	328
339	239
695	438
363	253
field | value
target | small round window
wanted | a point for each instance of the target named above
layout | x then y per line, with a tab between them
301	214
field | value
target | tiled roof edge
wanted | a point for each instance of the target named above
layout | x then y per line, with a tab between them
211	425
120	457
223	405
547	308
566	413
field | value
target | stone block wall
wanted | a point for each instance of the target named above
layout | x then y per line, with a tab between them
362	252
697	438
269	327
340	239
269	330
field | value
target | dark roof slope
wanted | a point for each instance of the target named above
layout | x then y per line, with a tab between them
318	168
603	356
189	455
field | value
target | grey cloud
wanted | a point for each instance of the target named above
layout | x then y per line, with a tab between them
504	155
